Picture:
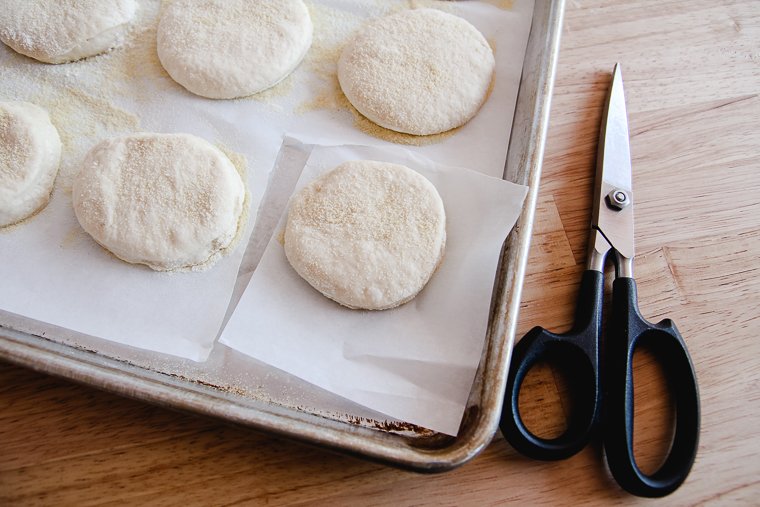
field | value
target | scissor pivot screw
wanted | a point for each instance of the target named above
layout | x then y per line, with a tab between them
618	199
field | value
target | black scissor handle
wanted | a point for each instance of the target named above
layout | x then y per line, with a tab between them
578	348
629	329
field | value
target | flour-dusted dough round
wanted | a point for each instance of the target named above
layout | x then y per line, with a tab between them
30	151
419	71
366	234
223	49
170	201
59	31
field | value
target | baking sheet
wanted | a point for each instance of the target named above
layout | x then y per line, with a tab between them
55	274
235	388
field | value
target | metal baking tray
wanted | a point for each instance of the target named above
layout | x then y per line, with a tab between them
396	444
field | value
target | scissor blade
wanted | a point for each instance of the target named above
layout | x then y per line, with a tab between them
613	200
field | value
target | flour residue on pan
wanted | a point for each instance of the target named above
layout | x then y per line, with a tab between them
507	5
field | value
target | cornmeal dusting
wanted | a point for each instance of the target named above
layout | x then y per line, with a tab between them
13	151
30	153
170	201
419	71
367	234
225	49
56	31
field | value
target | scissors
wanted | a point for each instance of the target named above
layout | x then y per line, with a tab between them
603	371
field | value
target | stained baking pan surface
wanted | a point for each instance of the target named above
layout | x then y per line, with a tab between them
296	410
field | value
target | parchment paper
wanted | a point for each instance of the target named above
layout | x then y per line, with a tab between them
54	275
415	362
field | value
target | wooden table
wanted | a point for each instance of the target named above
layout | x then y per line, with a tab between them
692	75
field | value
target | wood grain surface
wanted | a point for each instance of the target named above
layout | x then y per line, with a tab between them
692	76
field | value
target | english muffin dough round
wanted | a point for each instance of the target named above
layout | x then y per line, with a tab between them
366	234
223	49
419	71
170	201
59	31
30	151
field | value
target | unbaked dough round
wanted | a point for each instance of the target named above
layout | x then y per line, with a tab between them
366	234
419	71
59	31
170	201
223	49
30	151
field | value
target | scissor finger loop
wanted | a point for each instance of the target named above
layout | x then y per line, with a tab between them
666	344
576	351
561	352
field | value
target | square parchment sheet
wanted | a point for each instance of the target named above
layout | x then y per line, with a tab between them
415	362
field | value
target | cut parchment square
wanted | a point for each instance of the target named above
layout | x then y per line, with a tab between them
415	362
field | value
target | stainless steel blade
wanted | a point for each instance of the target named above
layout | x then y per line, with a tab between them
613	198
